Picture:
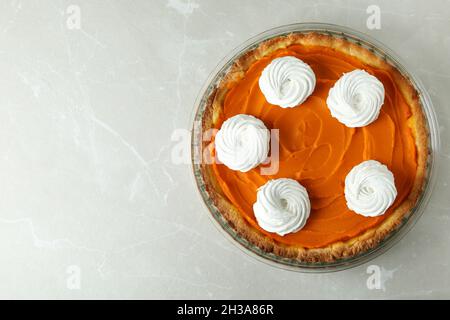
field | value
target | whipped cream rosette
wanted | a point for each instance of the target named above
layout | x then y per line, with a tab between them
370	188
282	206
242	143
356	98
287	82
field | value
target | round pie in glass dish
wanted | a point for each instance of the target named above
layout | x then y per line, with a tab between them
313	148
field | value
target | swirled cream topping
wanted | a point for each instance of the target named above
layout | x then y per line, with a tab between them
287	82
242	142
282	206
370	189
356	98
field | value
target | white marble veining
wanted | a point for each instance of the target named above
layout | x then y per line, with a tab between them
92	204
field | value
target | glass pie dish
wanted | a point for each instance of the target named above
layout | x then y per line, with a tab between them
408	219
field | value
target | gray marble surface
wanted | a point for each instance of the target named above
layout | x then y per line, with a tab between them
92	203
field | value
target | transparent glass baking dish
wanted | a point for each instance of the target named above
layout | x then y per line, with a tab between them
409	220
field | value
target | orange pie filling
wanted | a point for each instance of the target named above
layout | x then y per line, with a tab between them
319	151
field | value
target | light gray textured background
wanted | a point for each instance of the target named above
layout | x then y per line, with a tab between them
86	177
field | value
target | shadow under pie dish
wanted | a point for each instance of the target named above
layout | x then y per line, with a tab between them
314	149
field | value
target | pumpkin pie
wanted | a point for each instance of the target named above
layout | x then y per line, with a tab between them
316	149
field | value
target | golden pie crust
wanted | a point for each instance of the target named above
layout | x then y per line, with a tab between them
338	250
